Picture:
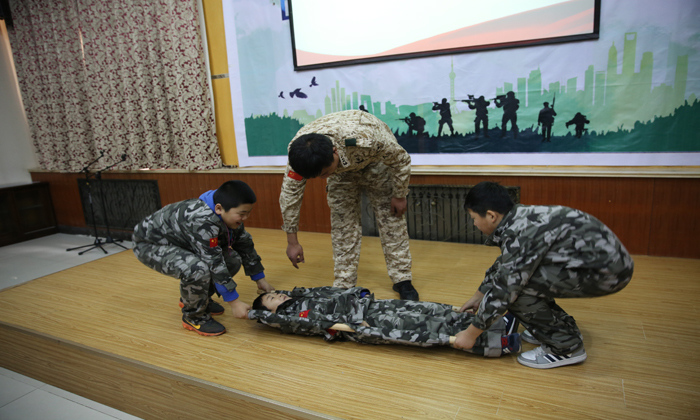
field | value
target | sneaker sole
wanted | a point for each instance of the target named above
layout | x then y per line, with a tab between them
559	363
182	305
191	328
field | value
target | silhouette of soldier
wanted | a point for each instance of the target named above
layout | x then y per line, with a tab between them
546	118
416	123
445	115
580	122
362	108
482	114
510	106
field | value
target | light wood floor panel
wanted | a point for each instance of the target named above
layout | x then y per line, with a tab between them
110	330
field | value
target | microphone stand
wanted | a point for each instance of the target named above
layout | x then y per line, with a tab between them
98	176
98	242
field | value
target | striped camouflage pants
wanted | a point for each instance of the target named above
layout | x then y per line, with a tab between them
196	285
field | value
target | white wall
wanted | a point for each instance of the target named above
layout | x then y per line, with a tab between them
16	154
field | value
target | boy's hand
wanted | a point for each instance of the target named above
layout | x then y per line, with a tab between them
466	339
239	308
472	305
264	286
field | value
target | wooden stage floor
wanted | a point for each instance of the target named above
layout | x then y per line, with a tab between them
110	330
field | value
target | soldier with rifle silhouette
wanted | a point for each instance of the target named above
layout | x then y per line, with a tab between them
445	115
546	119
482	113
510	105
414	122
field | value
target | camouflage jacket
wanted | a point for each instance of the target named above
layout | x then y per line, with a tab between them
541	247
193	226
314	311
360	139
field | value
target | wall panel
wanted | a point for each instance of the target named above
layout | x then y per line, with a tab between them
652	216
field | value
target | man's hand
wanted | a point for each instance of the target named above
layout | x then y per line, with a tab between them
465	339
472	305
264	286
295	252
398	206
239	308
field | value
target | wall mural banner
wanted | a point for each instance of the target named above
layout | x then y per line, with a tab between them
626	99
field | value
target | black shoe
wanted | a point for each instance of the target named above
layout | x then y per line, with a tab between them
406	290
208	328
512	324
213	307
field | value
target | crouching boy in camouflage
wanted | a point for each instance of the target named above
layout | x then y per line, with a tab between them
547	252
324	310
202	242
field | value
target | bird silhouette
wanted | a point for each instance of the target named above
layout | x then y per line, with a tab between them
298	93
313	82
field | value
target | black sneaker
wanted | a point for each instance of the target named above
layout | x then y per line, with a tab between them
406	290
208	328
213	307
512	324
511	344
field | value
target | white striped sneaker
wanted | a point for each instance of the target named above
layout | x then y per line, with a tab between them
541	358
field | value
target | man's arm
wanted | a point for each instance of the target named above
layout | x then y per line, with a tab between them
291	196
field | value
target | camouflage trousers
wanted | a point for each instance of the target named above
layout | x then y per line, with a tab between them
423	324
196	285
345	199
548	322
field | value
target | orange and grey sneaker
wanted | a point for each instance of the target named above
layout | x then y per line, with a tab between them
208	328
214	308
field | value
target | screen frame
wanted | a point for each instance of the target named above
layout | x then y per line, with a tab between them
594	35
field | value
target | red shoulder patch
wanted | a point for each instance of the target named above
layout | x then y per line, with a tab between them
213	242
295	176
304	314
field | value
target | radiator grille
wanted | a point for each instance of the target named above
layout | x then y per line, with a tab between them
435	213
127	202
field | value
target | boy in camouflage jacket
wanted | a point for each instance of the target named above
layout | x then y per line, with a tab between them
547	252
318	310
202	242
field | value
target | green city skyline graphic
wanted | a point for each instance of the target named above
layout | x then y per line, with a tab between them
626	113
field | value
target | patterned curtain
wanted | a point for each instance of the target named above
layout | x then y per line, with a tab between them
142	88
49	61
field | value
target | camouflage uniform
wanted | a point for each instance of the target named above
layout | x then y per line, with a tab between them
391	321
188	241
550	252
370	160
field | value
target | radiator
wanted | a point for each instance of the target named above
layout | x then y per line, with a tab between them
126	202
435	213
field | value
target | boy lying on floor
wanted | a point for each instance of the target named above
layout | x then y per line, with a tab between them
353	314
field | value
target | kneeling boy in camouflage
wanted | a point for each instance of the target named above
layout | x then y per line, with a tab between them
547	252
353	314
202	242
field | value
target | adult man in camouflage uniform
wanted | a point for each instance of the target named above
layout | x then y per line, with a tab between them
317	310
355	152
547	252
203	244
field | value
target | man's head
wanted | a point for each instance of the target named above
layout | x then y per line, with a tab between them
546	104
269	301
487	203
234	201
313	155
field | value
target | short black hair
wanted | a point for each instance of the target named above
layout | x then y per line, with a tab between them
258	302
234	193
486	196
310	154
